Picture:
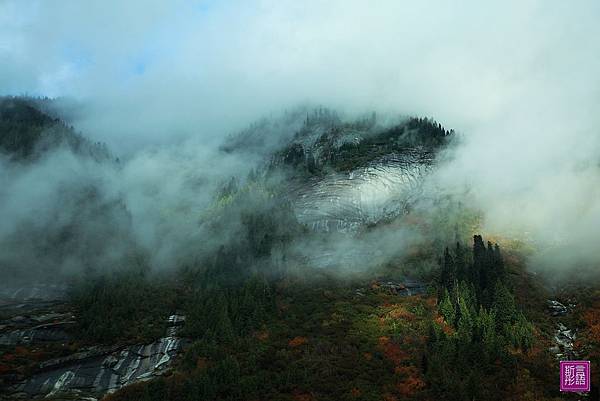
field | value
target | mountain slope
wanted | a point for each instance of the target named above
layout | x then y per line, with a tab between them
26	132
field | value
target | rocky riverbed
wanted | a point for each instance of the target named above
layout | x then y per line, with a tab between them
564	338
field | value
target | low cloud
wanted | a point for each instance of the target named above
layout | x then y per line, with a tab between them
517	79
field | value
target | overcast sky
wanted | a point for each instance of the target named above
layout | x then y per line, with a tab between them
154	68
520	79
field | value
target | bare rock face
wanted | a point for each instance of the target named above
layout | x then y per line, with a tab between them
37	317
101	372
406	288
50	332
32	317
564	340
344	202
556	308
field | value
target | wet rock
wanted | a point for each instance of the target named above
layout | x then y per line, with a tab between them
176	320
407	287
53	316
174	323
79	356
94	373
564	339
556	308
44	333
99	370
27	329
345	202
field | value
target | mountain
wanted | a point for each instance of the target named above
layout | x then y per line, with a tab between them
319	273
55	209
28	130
343	179
345	174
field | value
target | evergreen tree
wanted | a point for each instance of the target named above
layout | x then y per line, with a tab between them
521	333
465	322
478	266
223	327
447	309
447	276
486	321
504	306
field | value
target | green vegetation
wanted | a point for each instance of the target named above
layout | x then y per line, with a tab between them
315	341
26	131
346	146
125	305
479	325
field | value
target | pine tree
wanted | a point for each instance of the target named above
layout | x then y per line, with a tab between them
223	326
504	306
447	309
465	322
521	333
487	328
448	272
478	266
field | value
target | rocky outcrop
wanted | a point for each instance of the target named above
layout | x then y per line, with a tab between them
345	202
405	288
37	317
563	338
98	374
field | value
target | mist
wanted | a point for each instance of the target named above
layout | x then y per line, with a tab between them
164	84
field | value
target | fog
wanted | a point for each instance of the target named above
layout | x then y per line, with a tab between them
164	83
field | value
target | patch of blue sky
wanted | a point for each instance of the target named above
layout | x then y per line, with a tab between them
77	56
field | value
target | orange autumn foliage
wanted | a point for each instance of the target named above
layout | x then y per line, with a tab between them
297	341
412	381
431	302
392	351
410	386
383	340
592	319
399	312
448	330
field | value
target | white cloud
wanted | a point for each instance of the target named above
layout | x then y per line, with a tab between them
518	78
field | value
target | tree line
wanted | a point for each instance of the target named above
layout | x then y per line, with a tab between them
479	324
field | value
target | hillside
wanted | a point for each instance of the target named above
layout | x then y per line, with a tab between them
26	132
330	271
